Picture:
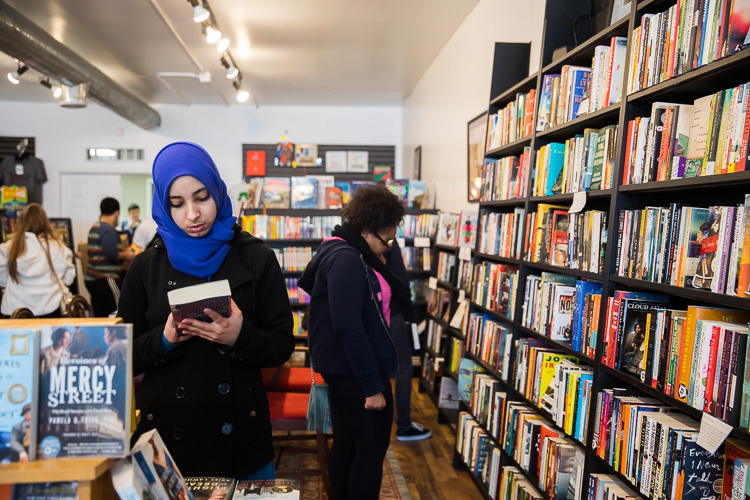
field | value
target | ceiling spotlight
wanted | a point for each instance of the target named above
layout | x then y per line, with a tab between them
242	94
200	13
212	34
222	45
56	90
232	70
15	76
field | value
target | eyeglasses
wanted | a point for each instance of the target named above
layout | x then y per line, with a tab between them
387	243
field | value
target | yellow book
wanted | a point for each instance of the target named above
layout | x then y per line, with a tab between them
570	401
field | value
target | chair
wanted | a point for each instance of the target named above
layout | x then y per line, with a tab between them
22	313
79	307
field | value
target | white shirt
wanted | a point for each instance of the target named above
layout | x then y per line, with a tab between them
36	288
144	234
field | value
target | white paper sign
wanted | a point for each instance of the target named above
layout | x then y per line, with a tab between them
422	242
415	336
401	242
422	326
464	253
458	318
713	433
432	283
461	295
579	201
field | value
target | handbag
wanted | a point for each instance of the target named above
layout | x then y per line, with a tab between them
67	297
318	409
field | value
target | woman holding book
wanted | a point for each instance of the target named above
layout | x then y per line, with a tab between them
202	389
35	266
350	289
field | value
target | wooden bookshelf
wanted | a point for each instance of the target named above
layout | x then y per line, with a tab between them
92	474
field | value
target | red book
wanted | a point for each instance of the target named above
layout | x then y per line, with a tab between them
628	148
712	353
255	163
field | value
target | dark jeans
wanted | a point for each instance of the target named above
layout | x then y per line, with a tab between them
403	376
105	293
360	439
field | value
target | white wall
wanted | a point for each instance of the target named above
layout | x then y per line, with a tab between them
456	88
63	135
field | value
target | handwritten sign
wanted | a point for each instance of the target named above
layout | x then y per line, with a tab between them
421	242
432	283
579	201
713	433
461	295
464	253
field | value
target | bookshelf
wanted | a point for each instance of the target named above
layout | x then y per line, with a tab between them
569	24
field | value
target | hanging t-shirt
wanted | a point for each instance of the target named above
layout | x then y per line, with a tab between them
26	171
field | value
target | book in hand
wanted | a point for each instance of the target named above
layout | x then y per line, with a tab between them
161	472
19	348
268	489
211	487
85	401
129	481
190	302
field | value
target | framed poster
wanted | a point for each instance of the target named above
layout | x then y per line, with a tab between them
417	173
477	133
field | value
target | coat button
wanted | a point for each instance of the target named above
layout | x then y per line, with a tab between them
252	413
177	433
150	416
221	351
226	429
180	392
223	388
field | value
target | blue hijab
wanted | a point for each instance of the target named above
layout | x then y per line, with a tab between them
200	257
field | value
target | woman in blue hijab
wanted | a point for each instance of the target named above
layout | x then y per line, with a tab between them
203	389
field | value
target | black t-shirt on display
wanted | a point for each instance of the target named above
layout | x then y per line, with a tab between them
27	171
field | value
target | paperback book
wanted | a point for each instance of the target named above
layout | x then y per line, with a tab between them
268	489
211	488
276	192
163	476
190	302
304	192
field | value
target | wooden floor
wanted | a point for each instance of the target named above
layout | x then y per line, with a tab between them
427	464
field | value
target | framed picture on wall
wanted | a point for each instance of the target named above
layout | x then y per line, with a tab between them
477	133
417	174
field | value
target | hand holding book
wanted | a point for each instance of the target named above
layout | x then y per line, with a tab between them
206	310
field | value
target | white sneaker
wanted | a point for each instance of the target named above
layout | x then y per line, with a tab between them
414	433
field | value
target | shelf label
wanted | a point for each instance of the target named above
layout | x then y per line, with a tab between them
461	295
464	253
458	317
432	283
422	242
401	242
415	336
579	201
713	433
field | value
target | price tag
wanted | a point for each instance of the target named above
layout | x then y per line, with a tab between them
464	253
713	433
401	242
579	201
422	242
461	295
432	283
458	317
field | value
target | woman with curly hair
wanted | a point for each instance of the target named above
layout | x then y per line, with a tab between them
350	290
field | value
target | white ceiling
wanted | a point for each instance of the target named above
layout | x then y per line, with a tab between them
290	52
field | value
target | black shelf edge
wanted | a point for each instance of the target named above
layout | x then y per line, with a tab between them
580	122
417	271
430	392
712	70
450	374
497	315
447	285
477	482
534	480
589	44
291	273
421	211
490	371
419	303
688	293
557	198
688	184
510	148
448	248
299	305
563	347
547	416
515	89
498	259
601	463
565	270
453	332
513	202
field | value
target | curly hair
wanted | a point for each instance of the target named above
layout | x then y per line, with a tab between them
373	207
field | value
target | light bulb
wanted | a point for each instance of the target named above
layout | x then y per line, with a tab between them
56	91
200	14
243	95
222	45
212	35
232	72
13	78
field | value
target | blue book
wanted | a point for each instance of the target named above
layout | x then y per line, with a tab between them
545	103
582	289
580	432
304	193
580	79
555	166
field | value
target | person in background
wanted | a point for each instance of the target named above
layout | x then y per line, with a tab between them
203	390
350	287
143	235
402	314
105	260
129	226
35	266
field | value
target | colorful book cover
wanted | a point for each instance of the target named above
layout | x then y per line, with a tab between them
163	476
346	191
190	302
698	136
381	173
560	250
357	162
447	233
416	193
468	228
335	161
277	192
85	402
555	168
211	487
306	155
466	370
284	155
545	102
579	78
399	187
697	230
701	472
739	26
19	371
323	182
267	489
356	184
129	481
304	192
334	197
255	163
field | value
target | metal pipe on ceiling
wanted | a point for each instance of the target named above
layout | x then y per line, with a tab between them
27	42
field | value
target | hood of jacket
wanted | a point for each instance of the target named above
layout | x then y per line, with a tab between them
326	250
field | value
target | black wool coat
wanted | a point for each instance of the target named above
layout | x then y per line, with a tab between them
208	400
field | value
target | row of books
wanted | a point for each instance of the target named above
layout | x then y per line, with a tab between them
445	264
287	227
413	193
418	226
439	303
577	240
556	383
582	163
432	369
690	34
455	354
457	229
418	288
463	275
489	341
676	141
298	316
501	233
417	259
515	486
436	336
607	72
505	178
561	95
609	487
542	451
513	122
475	446
487	403
296	294
294	258
494	287
686	246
